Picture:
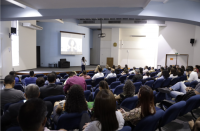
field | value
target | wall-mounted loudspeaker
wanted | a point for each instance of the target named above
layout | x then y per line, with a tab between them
192	41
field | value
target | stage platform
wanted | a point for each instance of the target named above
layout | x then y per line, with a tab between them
45	70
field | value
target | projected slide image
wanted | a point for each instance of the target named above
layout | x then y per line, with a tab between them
71	44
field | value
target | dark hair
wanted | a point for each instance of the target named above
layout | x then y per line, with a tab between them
31	114
141	70
113	66
12	73
100	69
32	91
31	73
189	68
104	111
126	66
51	77
75	101
126	70
152	67
103	84
9	79
71	73
168	69
54	74
146	101
165	74
129	88
180	72
183	68
147	73
109	68
84	72
113	71
40	81
146	67
83	59
134	68
173	71
162	68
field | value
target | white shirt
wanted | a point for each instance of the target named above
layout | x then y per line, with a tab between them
92	126
144	71
144	77
171	76
159	74
131	72
97	76
111	75
193	76
83	62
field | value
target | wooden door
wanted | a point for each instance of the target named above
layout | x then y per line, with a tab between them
110	61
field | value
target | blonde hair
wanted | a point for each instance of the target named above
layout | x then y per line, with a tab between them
96	69
107	65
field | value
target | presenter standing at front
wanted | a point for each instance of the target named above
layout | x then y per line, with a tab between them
83	61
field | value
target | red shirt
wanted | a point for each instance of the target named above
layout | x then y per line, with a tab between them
75	80
86	77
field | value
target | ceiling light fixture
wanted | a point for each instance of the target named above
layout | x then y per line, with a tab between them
17	3
101	35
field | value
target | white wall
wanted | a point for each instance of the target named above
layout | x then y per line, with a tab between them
196	60
27	47
175	38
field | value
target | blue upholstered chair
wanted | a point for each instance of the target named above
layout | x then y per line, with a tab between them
111	79
62	74
193	84
118	75
130	102
15	128
174	81
114	84
24	76
88	81
87	94
95	93
66	76
158	96
18	87
98	80
62	80
126	128
90	74
149	83
53	99
59	83
166	82
122	78
137	86
89	87
130	76
39	75
118	89
157	83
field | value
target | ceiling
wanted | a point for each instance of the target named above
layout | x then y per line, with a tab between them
59	4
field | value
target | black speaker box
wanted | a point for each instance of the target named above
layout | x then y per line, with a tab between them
192	41
13	30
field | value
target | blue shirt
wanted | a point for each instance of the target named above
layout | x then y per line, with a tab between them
30	80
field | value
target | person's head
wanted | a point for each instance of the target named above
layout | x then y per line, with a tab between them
146	101
103	85
161	69
177	66
126	66
84	72
9	80
104	111
71	74
134	68
146	67
107	66
180	71
141	70
83	58
112	71
40	81
32	115
31	73
129	88
183	68
168	69
152	68
126	70
165	74
32	91
147	73
75	101
51	78
12	73
100	69
189	69
113	66
137	71
173	71
118	67
53	72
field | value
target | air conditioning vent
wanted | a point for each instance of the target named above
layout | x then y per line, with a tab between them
87	22
114	22
140	21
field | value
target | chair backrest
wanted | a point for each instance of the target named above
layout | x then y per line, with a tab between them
18	87
114	84
39	75
87	94
137	86
6	106
66	76
149	83
131	76
62	80
152	74
45	77
69	121
122	78
98	80
174	81
193	84
24	76
89	87
118	75
95	93
172	113
62	74
150	122
88	81
90	74
111	79
158	83
96	87
166	82
118	89
191	104
158	96
126	128
130	102
53	99
15	128
59	83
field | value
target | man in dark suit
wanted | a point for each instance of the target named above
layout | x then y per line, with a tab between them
137	76
9	118
52	89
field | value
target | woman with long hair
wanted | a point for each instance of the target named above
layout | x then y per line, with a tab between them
105	117
83	62
173	73
165	74
144	108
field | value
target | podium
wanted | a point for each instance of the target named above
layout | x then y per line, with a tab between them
63	63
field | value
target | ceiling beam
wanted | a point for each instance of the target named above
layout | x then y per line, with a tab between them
147	2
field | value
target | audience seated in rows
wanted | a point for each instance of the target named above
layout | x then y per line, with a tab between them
9	94
118	70
57	79
137	76
126	67
13	73
160	73
144	108
125	72
133	71
84	75
180	72
193	76
173	73
32	116
112	74
75	103
96	69
165	75
74	79
106	67
40	81
30	79
128	91
147	75
99	74
51	89
105	117
107	71
152	70
9	118
145	69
